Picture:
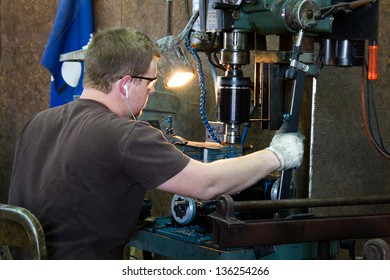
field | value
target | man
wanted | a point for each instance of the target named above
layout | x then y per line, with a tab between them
83	168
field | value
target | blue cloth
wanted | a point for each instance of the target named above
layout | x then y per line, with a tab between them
71	31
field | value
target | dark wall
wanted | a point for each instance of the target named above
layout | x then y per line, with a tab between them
24	84
344	161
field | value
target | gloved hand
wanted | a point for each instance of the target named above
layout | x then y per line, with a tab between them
288	147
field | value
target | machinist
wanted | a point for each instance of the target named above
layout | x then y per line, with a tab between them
83	168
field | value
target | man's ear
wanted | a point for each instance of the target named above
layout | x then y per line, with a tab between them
123	85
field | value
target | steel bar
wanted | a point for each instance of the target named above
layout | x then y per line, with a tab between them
259	205
287	231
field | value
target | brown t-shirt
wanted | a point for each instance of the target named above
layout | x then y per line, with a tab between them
83	171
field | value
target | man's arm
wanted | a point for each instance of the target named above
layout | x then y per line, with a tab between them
228	176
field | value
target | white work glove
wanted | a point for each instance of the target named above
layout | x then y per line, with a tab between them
288	147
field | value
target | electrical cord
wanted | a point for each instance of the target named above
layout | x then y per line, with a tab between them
368	101
212	56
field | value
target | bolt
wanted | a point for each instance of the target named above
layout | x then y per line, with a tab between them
309	14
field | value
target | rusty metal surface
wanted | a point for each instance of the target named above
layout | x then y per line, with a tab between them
229	231
285	231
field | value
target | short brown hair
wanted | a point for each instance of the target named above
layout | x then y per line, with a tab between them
114	53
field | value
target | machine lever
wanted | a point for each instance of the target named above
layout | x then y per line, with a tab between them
297	73
342	7
292	126
295	64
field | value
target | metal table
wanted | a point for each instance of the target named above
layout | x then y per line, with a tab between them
194	243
